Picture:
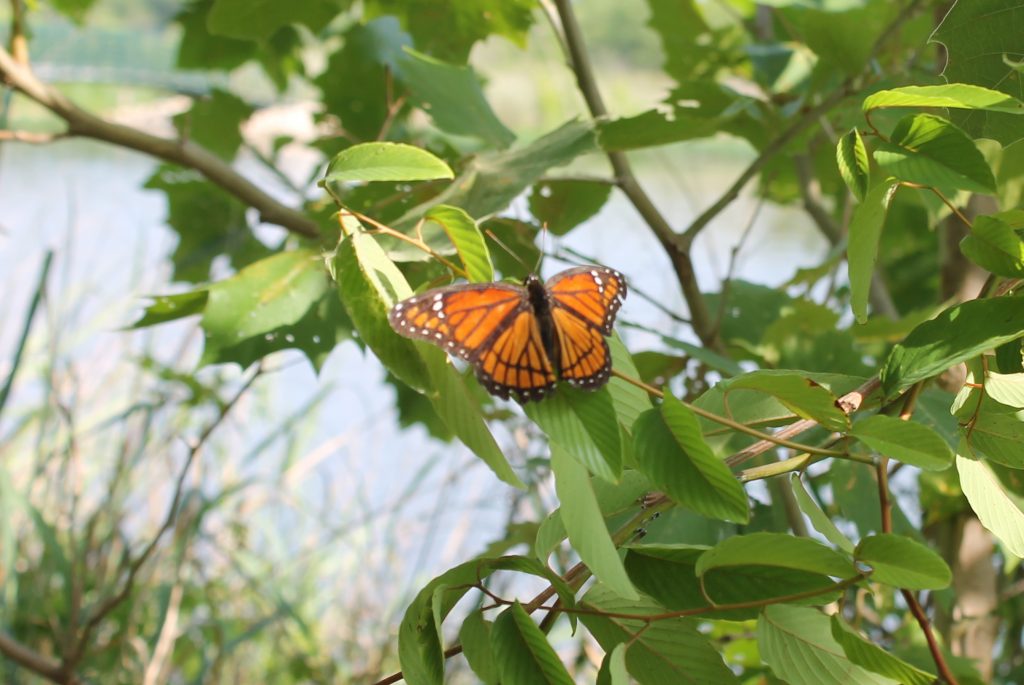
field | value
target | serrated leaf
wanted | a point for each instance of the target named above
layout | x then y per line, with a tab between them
522	653
369	284
172	307
862	243
460	411
957	334
994	245
952	95
584	523
999	511
583	424
797	643
664	651
386	162
475	638
563	205
265	296
671	452
977	35
901	562
930	150
802	395
468	241
259	19
1006	389
906	441
871	657
819	519
452	96
852	160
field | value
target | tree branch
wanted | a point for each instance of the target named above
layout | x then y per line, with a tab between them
181	152
33	661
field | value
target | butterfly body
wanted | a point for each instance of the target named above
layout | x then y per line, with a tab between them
522	339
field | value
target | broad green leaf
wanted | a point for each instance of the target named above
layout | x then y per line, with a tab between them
260	19
797	643
998	510
685	36
613	668
819	519
862	244
369	284
666	573
460	411
771	566
929	150
995	431
468	241
1006	389
995	246
273	292
522	653
852	159
448	30
825	27
952	95
172	307
671	452
386	162
957	334
585	525
664	651
563	205
977	36
901	562
906	441
475	638
629	400
452	96
488	182
215	122
802	395
871	657
584	424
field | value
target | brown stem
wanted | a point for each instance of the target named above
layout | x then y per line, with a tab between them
181	152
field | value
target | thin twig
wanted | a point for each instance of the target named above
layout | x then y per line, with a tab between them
29	316
30	137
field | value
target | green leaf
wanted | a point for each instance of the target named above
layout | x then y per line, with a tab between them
957	334
977	36
585	525
583	424
684	36
929	150
994	245
369	284
475	638
449	29
665	651
468	241
386	162
563	205
952	95
825	27
273	292
614	665
522	653
871	657
997	432
998	510
172	307
215	122
629	400
459	409
906	441
819	519
1006	389
803	396
488	182
852	159
671	452
452	96
259	19
901	562
797	643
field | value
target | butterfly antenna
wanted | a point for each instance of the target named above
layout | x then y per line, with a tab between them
490	234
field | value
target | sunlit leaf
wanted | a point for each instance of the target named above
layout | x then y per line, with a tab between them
469	242
952	95
804	396
905	441
852	159
819	519
998	510
871	657
386	162
994	245
901	562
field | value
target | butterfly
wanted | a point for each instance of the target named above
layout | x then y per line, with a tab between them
522	339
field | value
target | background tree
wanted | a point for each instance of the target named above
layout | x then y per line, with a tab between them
814	482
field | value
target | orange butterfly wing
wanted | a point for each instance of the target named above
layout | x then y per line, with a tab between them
584	302
492	326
